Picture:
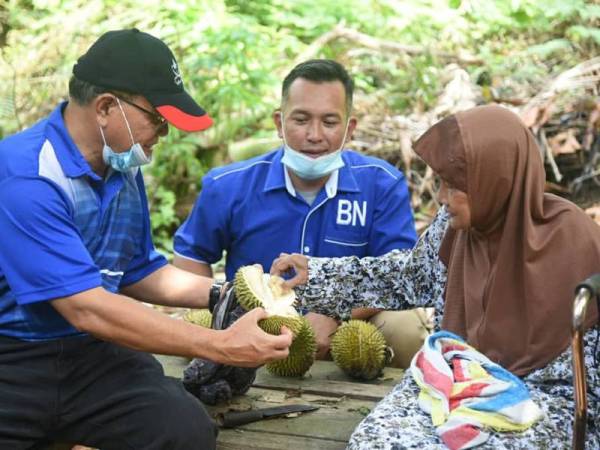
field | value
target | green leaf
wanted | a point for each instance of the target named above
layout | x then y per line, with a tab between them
590	12
549	47
521	17
582	33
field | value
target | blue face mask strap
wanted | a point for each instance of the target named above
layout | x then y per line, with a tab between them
102	134
126	121
345	134
283	129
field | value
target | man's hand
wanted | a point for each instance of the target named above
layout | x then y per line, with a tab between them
294	264
240	347
324	328
244	344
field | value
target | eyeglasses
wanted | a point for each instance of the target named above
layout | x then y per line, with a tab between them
157	120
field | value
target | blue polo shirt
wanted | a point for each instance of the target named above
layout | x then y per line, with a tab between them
251	210
64	229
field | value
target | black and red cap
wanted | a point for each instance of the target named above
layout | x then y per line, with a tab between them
138	63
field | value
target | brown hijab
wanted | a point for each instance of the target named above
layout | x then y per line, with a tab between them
512	275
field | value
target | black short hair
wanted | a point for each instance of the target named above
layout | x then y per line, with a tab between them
319	71
82	92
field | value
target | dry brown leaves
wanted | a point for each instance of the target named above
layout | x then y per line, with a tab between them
564	117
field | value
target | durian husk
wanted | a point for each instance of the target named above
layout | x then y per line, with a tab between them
254	289
359	349
202	317
301	356
273	324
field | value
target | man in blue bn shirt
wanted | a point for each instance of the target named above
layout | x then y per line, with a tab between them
77	254
311	196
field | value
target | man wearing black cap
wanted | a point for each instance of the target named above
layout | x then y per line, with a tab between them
76	251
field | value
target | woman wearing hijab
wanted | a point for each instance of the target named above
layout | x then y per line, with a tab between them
501	275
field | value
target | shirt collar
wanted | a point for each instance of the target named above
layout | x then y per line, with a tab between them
330	187
275	176
341	179
347	182
70	158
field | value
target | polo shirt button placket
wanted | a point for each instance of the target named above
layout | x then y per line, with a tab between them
306	249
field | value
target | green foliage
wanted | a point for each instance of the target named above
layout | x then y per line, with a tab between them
234	53
548	48
163	217
579	33
309	19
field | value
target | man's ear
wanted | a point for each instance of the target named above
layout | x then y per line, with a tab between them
102	106
278	122
352	122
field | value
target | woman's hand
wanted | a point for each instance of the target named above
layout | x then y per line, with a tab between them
294	264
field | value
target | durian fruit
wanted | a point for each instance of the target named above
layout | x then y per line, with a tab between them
360	350
253	288
202	317
301	356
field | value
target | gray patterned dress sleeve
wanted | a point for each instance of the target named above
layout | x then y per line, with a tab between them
400	279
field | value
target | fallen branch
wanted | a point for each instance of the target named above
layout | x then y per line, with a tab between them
585	74
364	40
550	157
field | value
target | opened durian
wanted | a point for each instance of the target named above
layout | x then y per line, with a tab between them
253	288
201	317
301	356
360	350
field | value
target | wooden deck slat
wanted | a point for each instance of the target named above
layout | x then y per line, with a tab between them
255	440
325	378
335	419
328	388
342	402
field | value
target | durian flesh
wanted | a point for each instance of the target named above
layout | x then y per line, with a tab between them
253	289
301	356
359	349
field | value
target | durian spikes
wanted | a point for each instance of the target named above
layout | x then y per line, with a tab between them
201	317
359	349
253	289
301	356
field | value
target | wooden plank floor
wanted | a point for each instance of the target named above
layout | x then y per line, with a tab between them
342	402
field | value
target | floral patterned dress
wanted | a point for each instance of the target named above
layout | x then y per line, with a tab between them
405	279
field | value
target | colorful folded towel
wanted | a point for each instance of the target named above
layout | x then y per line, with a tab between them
466	393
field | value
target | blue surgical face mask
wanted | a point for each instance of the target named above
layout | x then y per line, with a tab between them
124	161
309	168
